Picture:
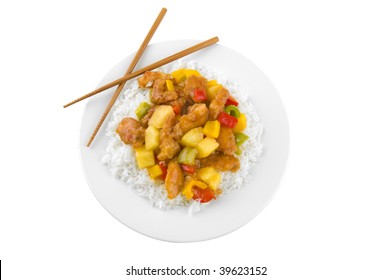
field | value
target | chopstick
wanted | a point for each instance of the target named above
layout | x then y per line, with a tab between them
135	60
150	67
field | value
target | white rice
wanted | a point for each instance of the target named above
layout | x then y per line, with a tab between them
120	158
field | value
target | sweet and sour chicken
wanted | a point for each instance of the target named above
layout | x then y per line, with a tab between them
189	132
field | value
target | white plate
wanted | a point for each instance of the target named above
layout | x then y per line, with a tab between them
230	211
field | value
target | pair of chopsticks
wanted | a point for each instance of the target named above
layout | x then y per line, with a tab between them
130	75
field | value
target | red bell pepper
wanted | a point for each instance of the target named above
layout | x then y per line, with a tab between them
199	95
204	195
163	167
231	101
190	169
176	109
227	120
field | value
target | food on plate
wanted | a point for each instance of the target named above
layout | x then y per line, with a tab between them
181	136
200	128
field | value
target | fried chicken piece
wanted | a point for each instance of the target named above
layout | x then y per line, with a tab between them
226	141
174	181
168	144
159	94
192	83
131	132
218	103
147	80
197	116
221	162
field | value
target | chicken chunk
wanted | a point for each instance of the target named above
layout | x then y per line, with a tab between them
197	116
226	141
159	94
192	83
174	181
131	132
147	80
169	146
218	103
221	162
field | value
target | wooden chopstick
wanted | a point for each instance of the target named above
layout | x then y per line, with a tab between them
150	67
135	60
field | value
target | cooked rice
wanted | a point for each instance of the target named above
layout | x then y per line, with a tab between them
120	158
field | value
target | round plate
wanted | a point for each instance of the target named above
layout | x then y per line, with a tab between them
230	211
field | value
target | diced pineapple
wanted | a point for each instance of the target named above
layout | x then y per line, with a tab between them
155	171
211	129
160	115
210	176
144	158
179	75
190	72
212	91
206	147
152	138
169	85
192	137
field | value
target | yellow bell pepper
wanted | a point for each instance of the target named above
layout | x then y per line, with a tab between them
241	125
155	171
179	75
188	192
169	85
211	129
190	72
211	83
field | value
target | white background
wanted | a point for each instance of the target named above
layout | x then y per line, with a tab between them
331	61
